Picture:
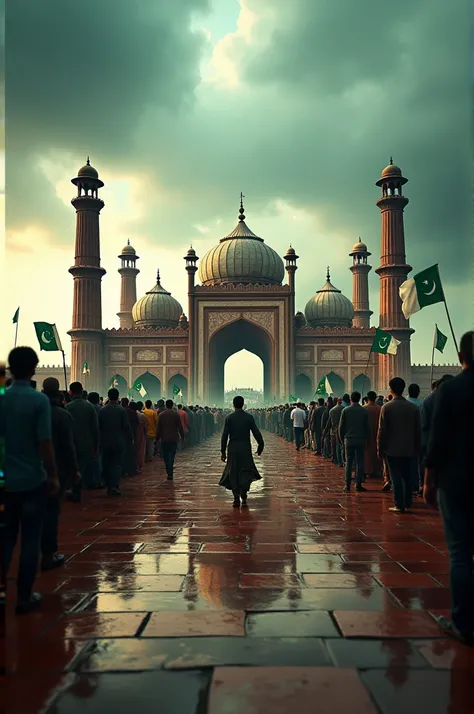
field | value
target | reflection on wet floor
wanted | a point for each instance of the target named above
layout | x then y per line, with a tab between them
173	601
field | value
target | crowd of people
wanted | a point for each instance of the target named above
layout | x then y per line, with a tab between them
58	443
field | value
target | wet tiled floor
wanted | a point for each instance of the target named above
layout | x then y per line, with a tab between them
173	601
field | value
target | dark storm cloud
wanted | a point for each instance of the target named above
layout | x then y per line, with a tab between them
416	54
340	86
79	75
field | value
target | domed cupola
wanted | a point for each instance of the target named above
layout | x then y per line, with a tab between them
300	320
241	257
329	307
157	308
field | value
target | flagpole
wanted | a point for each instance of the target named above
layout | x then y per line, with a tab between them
365	373
451	325
64	368
16	330
432	365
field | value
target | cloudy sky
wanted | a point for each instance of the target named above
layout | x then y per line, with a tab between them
182	104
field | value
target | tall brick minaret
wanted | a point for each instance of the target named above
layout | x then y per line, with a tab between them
360	270
87	336
128	288
393	271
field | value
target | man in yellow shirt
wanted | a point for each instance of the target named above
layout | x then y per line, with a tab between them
152	418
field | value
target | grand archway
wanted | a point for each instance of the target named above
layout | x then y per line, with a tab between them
233	338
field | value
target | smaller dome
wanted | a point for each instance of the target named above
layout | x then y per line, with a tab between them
129	249
329	307
191	252
300	319
359	247
88	171
157	308
391	170
290	251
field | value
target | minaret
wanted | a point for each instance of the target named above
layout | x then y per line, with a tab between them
360	270
291	268
87	336
191	259
128	287
393	271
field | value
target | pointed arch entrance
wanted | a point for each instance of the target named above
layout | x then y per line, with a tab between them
338	385
151	384
119	383
230	339
361	384
303	387
179	381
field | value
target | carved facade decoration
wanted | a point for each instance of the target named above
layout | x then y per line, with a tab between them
303	355
116	356
263	318
217	320
305	370
361	354
148	356
241	288
177	355
330	355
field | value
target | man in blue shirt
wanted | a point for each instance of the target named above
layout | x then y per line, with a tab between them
30	470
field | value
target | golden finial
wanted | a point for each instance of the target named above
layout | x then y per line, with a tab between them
241	209
328	276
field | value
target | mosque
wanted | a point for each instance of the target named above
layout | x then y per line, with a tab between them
241	300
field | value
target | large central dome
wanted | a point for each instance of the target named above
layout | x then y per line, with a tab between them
241	257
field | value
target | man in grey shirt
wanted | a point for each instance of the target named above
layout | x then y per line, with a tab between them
30	471
354	433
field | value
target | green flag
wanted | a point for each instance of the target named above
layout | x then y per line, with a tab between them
138	386
324	387
292	399
16	316
423	289
384	343
177	391
114	382
440	340
48	337
85	369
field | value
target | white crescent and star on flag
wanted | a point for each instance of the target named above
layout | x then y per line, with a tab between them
426	283
45	335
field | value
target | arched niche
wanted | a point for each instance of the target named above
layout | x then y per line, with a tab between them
180	382
151	384
361	384
303	388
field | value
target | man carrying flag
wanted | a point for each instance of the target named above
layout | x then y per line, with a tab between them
48	337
